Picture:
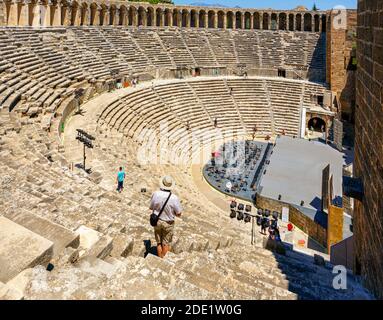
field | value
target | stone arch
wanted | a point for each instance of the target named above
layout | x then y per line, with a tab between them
112	14
317	123
247	21
298	22
307	19
103	12
93	14
64	13
141	21
167	18
230	18
83	14
185	18
74	12
221	20
175	17
257	21
291	22
159	15
132	16
282	24
274	22
211	19
193	18
123	15
238	20
316	23
324	20
150	17
265	21
201	19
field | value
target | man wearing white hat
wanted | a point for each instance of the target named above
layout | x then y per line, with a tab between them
167	206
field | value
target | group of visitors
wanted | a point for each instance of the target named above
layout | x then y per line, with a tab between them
165	208
270	225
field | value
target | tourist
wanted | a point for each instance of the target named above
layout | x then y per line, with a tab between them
264	224
166	206
215	122
120	180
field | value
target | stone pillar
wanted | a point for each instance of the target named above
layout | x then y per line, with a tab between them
23	18
234	21
45	15
12	15
106	16
154	21
260	20
188	17
179	18
312	23
225	20
124	13
36	15
56	11
215	20
170	18
243	21
86	18
252	21
206	20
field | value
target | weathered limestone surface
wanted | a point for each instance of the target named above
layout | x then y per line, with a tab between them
60	236
368	222
21	248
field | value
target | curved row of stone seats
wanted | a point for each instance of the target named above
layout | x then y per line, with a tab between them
252	101
237	104
47	53
125	45
247	51
99	45
286	102
223	47
151	44
176	47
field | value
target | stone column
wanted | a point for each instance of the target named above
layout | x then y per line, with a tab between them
215	20
188	17
45	15
36	15
12	15
23	7
312	23
234	21
179	18
243	21
252	21
277	22
225	20
56	10
107	16
206	20
320	23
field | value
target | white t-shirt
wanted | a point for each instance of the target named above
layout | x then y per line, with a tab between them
172	208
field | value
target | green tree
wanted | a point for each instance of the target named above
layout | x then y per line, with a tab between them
315	7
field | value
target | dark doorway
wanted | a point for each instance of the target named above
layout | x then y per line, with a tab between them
317	124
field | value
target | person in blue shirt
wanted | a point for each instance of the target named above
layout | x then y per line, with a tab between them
120	180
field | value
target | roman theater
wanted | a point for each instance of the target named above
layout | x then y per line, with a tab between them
253	112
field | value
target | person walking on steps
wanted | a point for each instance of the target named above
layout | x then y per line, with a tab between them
120	180
166	206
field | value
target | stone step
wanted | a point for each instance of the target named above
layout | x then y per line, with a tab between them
60	236
21	248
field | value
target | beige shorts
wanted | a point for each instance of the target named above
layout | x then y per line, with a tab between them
163	232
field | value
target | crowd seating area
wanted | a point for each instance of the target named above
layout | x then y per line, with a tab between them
270	105
66	234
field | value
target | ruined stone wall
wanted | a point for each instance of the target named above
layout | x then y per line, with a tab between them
341	32
368	215
296	217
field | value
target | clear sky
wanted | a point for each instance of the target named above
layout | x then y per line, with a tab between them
276	4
